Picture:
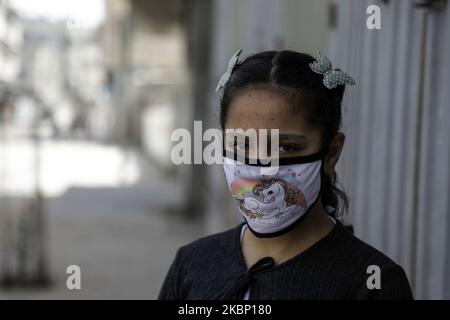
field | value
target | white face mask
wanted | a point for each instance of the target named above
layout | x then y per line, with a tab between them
273	200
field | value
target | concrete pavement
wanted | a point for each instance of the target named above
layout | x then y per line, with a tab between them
122	237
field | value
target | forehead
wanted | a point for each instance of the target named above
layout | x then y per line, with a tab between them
264	109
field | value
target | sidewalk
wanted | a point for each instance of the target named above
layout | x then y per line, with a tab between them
122	238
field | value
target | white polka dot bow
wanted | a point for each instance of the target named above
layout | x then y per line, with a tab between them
331	78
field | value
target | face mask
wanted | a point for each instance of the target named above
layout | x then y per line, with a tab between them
273	200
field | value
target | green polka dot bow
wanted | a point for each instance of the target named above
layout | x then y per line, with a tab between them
331	78
226	76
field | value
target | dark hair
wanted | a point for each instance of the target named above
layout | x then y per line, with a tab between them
290	74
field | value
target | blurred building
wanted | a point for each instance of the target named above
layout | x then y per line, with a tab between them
11	37
11	40
44	56
74	98
86	84
20	246
145	46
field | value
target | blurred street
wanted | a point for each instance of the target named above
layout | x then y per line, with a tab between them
122	237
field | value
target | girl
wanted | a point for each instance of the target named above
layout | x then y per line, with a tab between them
292	244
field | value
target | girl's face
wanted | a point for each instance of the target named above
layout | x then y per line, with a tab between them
267	109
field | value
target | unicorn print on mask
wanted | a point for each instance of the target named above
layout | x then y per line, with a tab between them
271	199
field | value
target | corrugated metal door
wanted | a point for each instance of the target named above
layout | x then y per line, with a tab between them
395	165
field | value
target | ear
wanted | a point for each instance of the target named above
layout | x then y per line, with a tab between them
334	153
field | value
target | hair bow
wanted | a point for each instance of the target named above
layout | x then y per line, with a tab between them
331	78
226	76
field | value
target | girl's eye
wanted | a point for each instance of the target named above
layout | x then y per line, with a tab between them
288	148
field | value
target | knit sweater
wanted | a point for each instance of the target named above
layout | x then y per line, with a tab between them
336	267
